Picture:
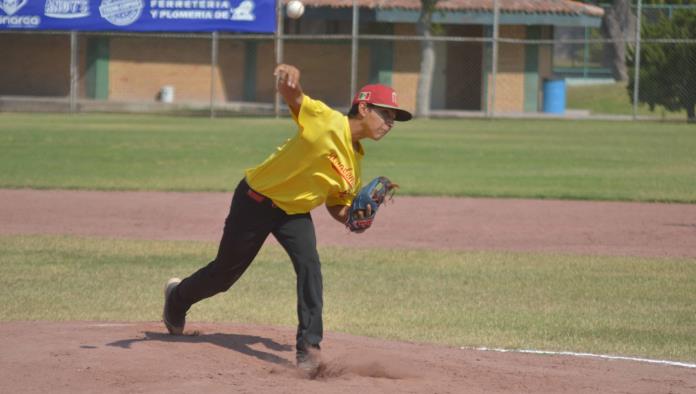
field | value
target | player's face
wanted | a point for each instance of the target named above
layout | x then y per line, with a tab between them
380	121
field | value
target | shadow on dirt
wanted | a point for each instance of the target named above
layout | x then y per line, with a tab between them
238	343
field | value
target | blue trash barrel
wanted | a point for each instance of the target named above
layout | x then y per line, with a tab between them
554	95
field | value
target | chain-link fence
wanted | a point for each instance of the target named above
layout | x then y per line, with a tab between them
647	71
480	69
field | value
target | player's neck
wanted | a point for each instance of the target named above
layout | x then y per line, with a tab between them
358	130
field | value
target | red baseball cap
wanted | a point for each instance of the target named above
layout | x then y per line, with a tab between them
381	96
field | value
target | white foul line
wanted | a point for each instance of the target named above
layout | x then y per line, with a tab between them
574	354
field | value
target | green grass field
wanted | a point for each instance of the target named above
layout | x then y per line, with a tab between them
639	161
614	99
618	305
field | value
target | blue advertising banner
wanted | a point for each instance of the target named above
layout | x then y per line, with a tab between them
246	16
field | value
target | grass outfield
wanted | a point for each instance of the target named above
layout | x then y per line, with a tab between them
638	161
614	99
629	306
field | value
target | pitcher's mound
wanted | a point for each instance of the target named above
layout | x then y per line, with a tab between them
70	357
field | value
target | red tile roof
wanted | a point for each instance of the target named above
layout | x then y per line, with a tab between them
566	7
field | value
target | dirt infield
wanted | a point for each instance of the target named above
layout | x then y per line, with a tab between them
68	357
607	228
113	357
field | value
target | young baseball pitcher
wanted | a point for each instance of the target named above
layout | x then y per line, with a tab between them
319	165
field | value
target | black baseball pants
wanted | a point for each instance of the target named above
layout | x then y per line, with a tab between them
252	217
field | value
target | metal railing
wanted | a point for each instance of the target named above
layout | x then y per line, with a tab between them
487	86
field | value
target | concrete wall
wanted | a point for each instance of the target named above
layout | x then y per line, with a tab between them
138	68
509	88
325	69
36	64
406	68
465	70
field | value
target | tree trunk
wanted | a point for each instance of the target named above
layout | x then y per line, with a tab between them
618	25
427	67
690	113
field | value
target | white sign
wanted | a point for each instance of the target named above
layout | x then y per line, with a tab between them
67	9
244	12
12	6
121	12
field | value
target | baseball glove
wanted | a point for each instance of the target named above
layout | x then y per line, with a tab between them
364	207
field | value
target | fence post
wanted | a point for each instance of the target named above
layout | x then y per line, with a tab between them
73	71
278	50
586	53
213	68
636	71
494	58
354	52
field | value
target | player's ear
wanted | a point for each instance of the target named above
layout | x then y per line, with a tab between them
362	109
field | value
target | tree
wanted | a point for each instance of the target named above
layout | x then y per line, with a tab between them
667	74
424	28
618	24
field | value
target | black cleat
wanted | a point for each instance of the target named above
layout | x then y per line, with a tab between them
172	320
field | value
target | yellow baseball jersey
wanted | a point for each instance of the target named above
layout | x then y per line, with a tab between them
318	165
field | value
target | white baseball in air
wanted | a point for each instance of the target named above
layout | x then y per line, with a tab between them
294	9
